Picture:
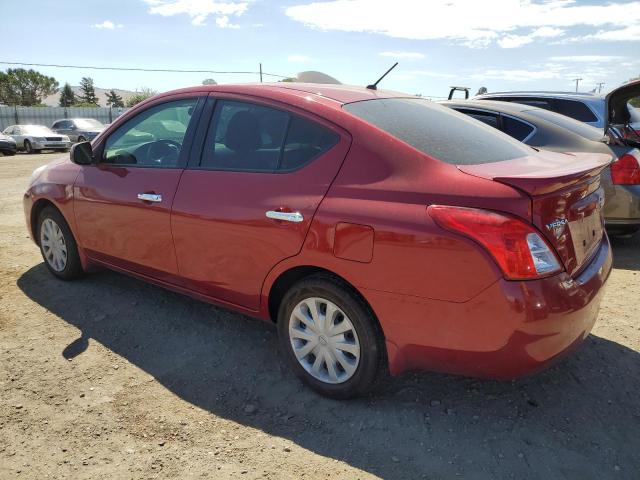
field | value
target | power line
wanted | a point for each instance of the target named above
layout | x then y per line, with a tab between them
130	69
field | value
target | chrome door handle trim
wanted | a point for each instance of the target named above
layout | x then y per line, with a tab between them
150	197
295	217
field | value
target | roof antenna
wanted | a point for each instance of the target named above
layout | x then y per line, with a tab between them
375	85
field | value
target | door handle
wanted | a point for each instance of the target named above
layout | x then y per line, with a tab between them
150	197
295	217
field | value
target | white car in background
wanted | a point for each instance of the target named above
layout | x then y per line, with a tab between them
34	138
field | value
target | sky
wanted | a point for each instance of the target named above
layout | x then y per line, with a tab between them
501	45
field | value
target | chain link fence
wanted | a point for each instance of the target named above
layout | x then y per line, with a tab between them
47	115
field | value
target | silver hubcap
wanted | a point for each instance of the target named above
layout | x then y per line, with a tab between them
54	247
324	340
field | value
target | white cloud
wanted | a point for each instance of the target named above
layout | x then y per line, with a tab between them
515	41
199	10
509	23
223	22
588	58
403	55
107	25
298	58
429	73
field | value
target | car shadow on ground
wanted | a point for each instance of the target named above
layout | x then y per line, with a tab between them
626	252
577	420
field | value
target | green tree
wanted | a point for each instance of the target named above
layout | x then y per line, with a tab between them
67	97
114	100
25	87
140	96
289	79
209	81
88	94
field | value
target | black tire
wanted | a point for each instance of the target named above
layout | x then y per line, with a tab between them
372	365
28	148
73	266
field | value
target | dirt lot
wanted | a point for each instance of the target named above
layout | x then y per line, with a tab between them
111	377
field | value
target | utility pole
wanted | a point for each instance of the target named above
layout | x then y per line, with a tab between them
577	80
600	84
260	72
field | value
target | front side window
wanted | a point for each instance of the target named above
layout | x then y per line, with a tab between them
153	138
254	138
438	131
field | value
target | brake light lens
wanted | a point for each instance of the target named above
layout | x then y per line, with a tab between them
516	246
626	170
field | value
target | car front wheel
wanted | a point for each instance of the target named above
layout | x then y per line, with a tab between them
57	245
330	337
28	147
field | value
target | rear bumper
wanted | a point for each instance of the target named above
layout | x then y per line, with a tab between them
509	330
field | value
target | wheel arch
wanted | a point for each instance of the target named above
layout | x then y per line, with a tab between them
36	209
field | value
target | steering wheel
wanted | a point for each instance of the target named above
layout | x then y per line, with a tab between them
160	150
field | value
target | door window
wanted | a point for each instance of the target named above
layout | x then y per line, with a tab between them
516	129
254	138
153	138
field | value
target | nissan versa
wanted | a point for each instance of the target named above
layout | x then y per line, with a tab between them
380	232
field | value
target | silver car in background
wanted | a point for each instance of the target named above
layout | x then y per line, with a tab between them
34	138
78	129
584	107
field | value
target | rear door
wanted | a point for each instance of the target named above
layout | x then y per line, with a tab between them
122	203
247	199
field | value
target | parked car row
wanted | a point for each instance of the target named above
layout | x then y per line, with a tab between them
545	129
62	134
379	231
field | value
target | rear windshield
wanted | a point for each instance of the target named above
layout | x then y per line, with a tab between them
579	128
438	131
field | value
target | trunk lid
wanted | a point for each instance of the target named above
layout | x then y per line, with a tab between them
566	198
616	110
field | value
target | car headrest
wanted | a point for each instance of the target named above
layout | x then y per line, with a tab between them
243	133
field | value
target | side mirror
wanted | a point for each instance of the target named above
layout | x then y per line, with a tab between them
82	154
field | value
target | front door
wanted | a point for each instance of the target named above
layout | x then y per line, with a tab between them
123	202
248	201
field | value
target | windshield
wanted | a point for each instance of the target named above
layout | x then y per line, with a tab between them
36	130
439	131
87	123
579	128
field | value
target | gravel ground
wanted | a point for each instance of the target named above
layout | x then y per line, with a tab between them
111	377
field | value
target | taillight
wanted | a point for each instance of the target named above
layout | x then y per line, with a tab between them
626	170
517	247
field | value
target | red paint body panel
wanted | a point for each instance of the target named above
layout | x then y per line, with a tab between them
440	298
114	226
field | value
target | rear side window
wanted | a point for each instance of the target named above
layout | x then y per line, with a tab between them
576	110
254	138
438	131
516	129
580	128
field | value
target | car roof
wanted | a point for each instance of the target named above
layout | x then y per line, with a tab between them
588	96
506	107
340	94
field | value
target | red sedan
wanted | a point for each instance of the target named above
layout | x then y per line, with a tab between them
380	232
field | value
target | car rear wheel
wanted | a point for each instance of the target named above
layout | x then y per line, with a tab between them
330	337
28	147
57	245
